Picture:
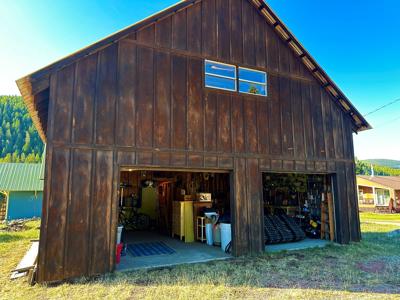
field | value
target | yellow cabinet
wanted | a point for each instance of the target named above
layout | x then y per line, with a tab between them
182	220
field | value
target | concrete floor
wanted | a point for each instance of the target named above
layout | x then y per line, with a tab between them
304	244
185	253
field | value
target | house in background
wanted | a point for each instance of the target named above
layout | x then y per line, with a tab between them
378	191
22	189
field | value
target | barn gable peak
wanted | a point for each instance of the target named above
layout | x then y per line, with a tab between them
35	87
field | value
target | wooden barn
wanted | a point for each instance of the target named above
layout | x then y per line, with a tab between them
209	97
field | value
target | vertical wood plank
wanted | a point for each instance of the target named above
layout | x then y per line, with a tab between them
284	61
337	130
85	91
248	33
236	31
106	96
262	123
164	32
341	204
347	137
179	94
63	106
210	122
101	212
274	120
162	121
195	105
209	36
125	125
294	63
179	30
272	49
114	210
256	206
354	216
147	35
309	135
319	140
286	120
223	29
240	209
194	33
78	215
224	124
260	43
328	126
42	271
145	97
57	210
250	122
298	124
238	124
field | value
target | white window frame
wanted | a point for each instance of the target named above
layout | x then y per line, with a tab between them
220	76
254	82
381	196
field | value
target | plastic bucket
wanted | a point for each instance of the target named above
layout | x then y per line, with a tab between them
226	235
118	253
209	234
119	233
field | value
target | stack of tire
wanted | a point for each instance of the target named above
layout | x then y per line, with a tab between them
294	227
285	232
281	229
272	236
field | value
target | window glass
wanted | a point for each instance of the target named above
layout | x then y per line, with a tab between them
218	69
220	83
383	197
252	88
220	76
252	82
251	75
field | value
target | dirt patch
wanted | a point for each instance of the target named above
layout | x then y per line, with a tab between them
374	266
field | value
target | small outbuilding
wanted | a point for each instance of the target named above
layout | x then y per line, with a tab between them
207	105
22	191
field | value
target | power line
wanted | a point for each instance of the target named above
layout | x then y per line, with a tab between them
382	107
386	123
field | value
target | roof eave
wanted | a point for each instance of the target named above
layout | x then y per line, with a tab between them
287	36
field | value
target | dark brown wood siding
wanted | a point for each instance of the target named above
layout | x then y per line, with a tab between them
142	102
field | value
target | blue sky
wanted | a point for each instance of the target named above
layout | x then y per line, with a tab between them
356	42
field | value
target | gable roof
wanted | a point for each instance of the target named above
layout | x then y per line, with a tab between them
392	182
34	87
20	177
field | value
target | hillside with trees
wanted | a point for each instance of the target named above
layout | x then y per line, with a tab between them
19	140
364	168
394	164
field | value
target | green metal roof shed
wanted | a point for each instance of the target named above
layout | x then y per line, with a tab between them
20	177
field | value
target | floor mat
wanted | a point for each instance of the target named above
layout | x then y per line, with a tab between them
148	249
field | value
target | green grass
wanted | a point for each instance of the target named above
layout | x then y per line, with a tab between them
371	217
328	273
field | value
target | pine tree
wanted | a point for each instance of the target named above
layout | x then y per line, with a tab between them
18	136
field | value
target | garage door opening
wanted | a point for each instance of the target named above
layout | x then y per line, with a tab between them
173	217
298	210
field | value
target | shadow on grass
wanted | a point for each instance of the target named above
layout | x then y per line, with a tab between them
9	237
